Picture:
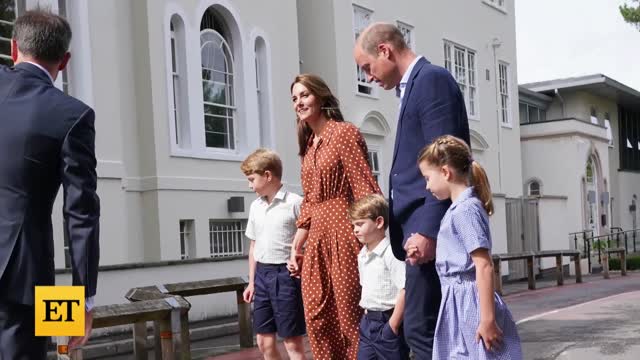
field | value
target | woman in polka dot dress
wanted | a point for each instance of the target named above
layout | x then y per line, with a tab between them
335	173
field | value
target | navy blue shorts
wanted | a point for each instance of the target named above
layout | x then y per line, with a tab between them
277	302
377	340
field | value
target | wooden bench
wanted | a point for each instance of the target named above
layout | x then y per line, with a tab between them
497	270
171	313
529	257
623	261
204	287
575	254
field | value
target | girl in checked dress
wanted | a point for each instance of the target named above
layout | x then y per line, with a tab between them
473	322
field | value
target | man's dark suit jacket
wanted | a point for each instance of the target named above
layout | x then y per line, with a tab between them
432	106
47	138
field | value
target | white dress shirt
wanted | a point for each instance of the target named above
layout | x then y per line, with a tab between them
43	69
273	226
382	276
405	76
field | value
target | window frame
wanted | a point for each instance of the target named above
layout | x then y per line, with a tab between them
504	94
9	24
530	189
499	5
228	108
375	165
629	139
403	26
528	106
360	76
451	50
186	238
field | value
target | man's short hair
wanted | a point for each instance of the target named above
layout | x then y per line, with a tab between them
42	35
381	32
260	161
370	207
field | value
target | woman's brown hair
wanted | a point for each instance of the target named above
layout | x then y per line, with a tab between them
456	154
330	107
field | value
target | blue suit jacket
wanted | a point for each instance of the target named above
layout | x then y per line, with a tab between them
432	106
46	139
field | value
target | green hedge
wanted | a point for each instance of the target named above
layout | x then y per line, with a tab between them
633	263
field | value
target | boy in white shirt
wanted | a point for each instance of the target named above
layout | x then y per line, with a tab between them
382	277
271	227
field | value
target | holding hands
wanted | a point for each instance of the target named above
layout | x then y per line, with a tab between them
294	265
420	249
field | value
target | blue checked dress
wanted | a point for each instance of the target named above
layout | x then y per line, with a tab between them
465	228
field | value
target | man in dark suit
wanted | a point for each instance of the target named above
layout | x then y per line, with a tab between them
431	105
47	138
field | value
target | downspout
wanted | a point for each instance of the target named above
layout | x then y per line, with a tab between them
496	44
561	100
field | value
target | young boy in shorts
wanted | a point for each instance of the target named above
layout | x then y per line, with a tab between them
382	277
271	228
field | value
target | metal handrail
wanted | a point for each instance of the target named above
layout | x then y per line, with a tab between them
600	242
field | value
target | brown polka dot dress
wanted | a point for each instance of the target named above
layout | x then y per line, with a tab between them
335	172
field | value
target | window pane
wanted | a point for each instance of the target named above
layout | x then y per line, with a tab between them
472	68
215	124
361	19
217	110
214	92
533	114
217	76
523	114
216	140
365	89
534	189
447	56
472	100
6	27
173	55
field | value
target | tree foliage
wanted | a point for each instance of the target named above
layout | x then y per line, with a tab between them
631	13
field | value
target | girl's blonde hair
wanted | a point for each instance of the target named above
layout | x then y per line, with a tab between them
456	154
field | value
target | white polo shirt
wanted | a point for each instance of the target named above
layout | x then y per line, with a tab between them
382	276
273	226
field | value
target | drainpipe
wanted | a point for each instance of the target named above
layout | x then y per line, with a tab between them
561	100
496	44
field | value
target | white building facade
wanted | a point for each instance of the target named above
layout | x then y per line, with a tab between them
580	157
185	89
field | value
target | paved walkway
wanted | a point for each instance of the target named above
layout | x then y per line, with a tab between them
598	319
602	329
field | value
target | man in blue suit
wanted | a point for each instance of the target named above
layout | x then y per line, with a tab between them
431	105
47	138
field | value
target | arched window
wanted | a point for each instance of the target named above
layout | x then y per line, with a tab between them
263	92
217	82
8	13
181	129
375	129
589	171
534	188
